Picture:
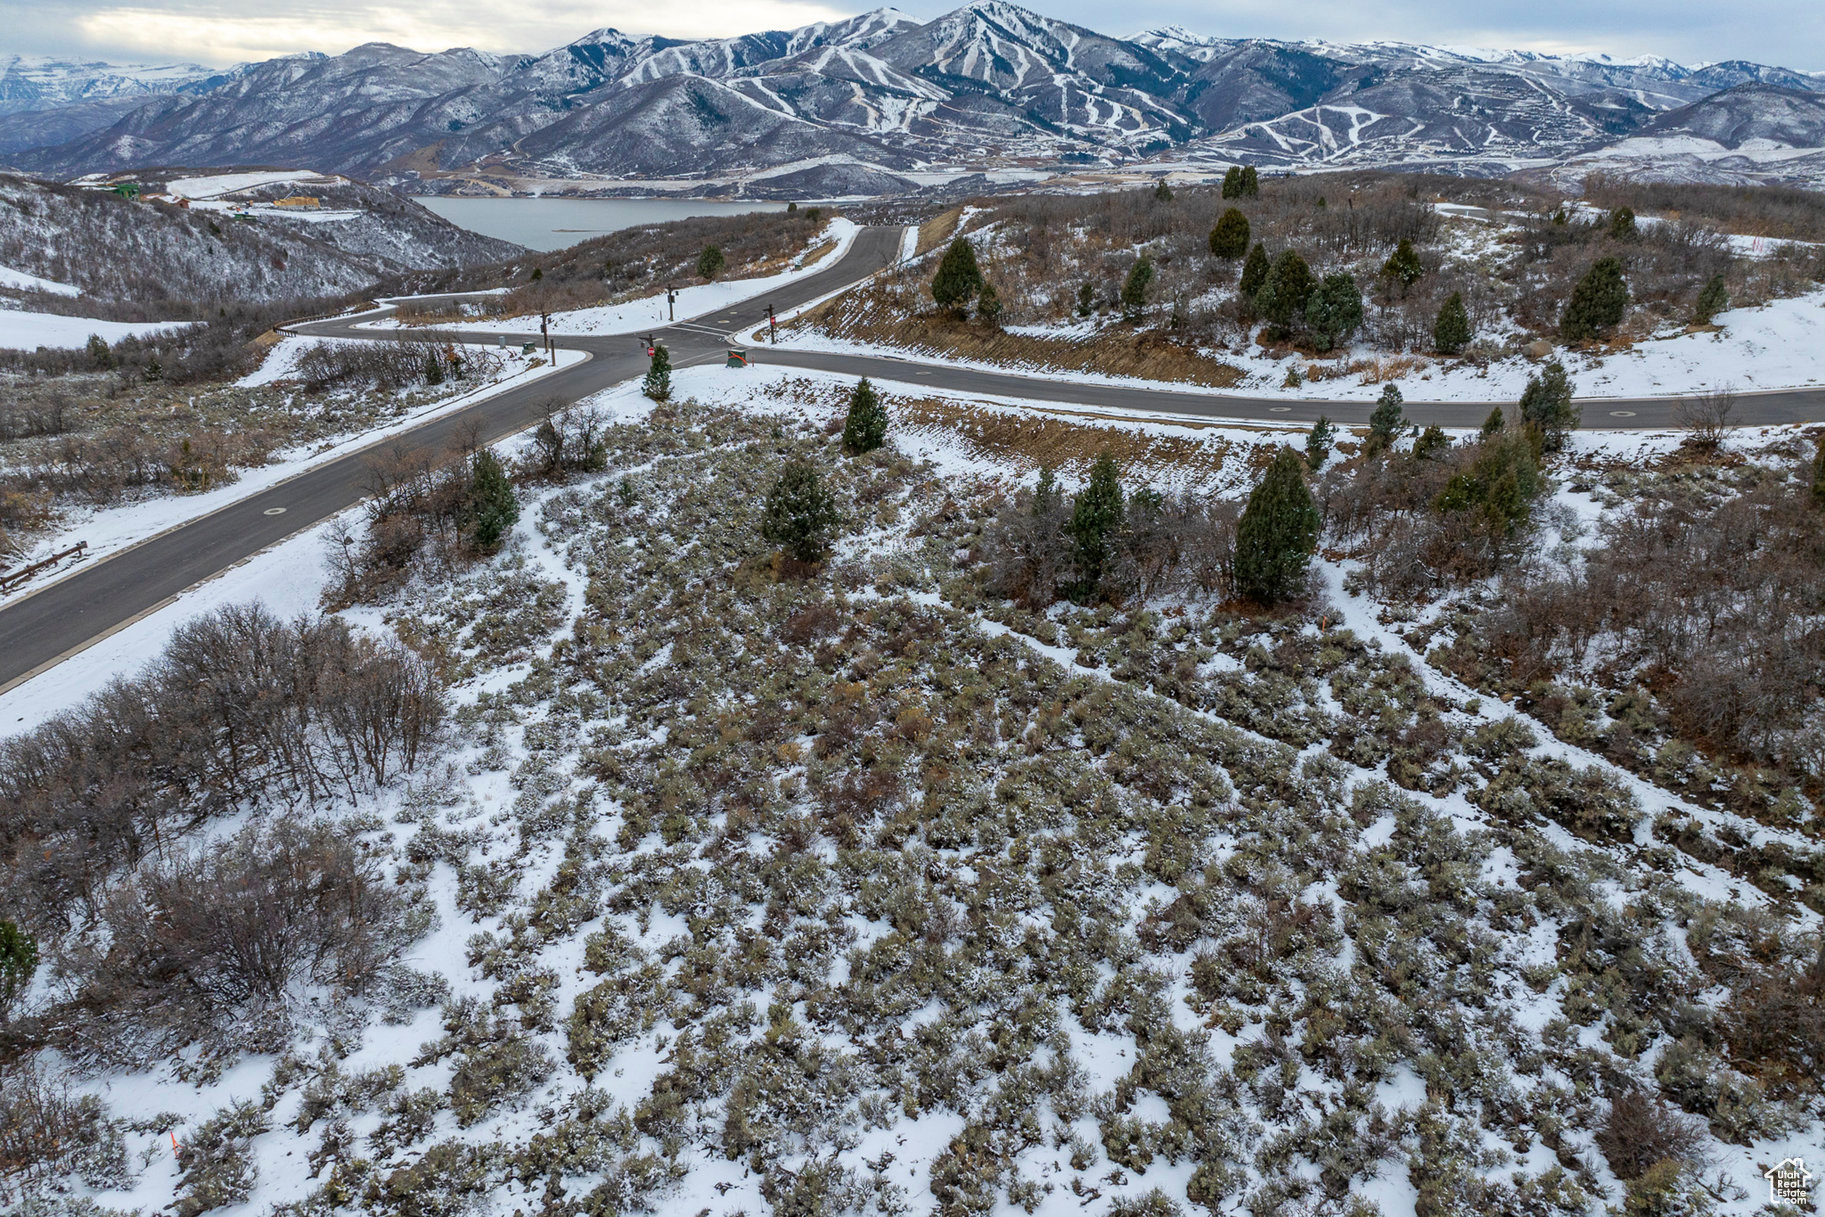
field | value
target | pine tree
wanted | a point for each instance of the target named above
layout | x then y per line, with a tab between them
1714	299
1134	290
489	507
959	279
1597	302
1162	193
1430	443
1086	299
801	516
1334	310
1289	285
1318	443
1251	183
18	963
1403	265
1451	333
709	262
1229	239
1546	406
1277	533
658	382
100	353
1494	423
866	427
1622	224
988	304
1387	420
1232	182
1096	515
1254	272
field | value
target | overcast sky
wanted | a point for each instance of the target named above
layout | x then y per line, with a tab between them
223	32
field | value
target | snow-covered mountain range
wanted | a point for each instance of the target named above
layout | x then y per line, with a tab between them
881	101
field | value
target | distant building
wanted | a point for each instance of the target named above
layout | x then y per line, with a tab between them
300	203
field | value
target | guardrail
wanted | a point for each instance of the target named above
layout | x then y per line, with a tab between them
366	306
11	579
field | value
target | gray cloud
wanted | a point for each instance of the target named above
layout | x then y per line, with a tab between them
1787	32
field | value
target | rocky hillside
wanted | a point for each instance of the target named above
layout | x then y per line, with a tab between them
223	241
861	104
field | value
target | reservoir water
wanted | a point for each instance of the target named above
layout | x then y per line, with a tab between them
547	224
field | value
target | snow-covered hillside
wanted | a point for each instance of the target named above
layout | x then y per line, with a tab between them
227	240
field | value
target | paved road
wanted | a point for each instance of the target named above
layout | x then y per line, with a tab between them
68	615
64	617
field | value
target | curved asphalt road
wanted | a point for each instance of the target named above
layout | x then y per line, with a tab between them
68	615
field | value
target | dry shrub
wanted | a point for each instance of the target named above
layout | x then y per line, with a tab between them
896	311
222	940
1037	439
242	707
46	1134
1640	1132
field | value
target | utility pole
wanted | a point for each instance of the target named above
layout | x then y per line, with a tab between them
772	326
671	300
545	332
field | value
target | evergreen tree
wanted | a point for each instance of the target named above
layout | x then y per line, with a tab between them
1387	420
1403	265
959	279
1162	193
1451	333
1232	182
1546	406
18	963
1096	516
866	427
1254	273
1086	299
1818	475
1251	183
1494	423
658	382
1500	486
1229	239
709	262
100	353
988	304
1288	286
1430	443
1277	533
1318	443
1047	497
801	516
1622	224
1714	299
1334	311
489	507
1597	302
1134	289
434	370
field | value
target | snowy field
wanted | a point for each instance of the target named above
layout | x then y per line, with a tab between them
289	579
19	281
24	331
1777	346
636	316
